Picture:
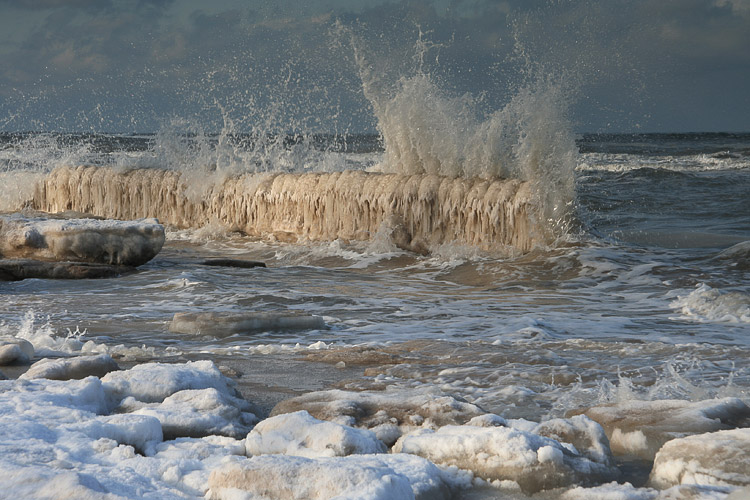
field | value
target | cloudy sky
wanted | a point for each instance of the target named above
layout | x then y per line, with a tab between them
134	65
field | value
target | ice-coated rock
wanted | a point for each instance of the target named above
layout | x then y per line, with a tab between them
640	428
223	324
15	351
303	435
356	477
21	269
71	368
50	238
611	491
503	453
154	382
714	458
388	413
198	413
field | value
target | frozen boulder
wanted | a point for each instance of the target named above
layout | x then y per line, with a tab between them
223	324
21	269
71	368
356	477
50	238
303	435
15	351
154	382
506	454
388	413
714	458
198	413
640	428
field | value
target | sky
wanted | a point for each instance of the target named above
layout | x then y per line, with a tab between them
138	65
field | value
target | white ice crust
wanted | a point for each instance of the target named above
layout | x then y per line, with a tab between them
303	435
356	477
502	453
154	382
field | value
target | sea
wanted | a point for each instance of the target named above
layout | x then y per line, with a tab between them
641	293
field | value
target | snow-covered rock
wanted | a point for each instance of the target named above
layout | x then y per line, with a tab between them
222	324
21	269
71	368
355	477
154	382
640	428
503	453
15	351
303	435
714	458
198	413
388	413
50	238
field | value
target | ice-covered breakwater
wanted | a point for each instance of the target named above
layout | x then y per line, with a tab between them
420	210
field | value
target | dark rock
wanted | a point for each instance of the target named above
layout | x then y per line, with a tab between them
245	264
19	269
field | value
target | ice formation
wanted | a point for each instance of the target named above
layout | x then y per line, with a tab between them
421	210
223	324
198	413
640	428
122	243
356	477
139	381
506	454
71	368
715	458
387	413
14	350
300	434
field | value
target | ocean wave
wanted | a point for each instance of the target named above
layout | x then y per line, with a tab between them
708	305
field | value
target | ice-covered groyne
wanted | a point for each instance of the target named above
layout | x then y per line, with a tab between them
421	210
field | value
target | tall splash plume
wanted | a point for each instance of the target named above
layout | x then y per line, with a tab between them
426	131
499	181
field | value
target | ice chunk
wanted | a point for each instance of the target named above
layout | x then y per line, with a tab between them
303	435
12	354
714	458
71	368
502	453
389	413
586	436
202	412
153	382
125	243
640	428
222	324
356	477
610	491
139	431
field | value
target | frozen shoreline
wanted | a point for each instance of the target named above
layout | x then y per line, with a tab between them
88	441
